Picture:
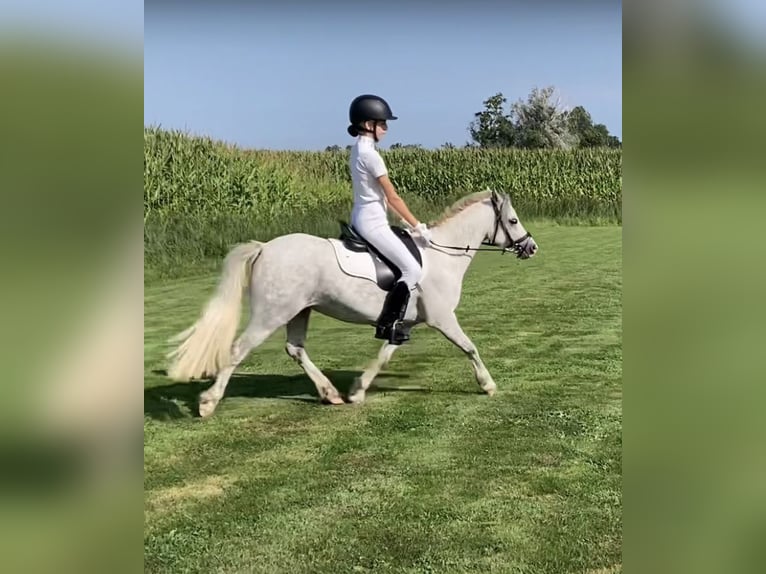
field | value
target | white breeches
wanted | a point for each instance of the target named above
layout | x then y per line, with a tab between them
377	232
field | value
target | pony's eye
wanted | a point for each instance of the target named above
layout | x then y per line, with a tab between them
514	221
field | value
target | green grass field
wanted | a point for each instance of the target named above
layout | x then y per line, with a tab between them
428	475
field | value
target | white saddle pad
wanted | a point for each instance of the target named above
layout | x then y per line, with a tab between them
357	264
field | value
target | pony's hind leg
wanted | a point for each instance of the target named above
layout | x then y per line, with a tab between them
253	336
296	337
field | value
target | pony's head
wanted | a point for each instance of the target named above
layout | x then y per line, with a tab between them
507	231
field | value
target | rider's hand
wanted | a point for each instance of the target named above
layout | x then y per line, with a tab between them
423	231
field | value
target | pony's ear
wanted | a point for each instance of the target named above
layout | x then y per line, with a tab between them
496	199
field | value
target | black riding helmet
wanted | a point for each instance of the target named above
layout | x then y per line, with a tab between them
368	107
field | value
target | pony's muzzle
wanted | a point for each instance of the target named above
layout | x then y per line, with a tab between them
526	249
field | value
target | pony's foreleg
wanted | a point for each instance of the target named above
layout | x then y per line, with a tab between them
449	327
361	384
296	337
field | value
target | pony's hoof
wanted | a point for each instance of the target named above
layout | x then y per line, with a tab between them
336	400
490	389
206	407
357	392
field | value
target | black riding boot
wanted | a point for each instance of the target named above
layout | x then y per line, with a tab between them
389	323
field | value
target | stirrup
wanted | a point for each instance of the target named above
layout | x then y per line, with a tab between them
399	334
395	334
390	319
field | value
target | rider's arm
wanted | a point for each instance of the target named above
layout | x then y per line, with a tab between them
395	201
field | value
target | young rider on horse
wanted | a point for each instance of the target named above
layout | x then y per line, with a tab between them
373	194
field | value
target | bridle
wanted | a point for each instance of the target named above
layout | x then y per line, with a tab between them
512	245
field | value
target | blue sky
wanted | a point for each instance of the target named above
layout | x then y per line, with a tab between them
281	75
113	24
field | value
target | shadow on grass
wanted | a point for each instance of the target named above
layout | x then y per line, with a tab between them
162	402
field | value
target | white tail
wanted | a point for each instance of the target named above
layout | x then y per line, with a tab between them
206	346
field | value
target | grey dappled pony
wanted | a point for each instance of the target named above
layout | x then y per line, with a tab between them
293	275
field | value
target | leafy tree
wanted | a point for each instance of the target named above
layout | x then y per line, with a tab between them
491	127
538	122
541	123
588	134
612	141
581	124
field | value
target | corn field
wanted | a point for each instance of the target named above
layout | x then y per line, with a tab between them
201	195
